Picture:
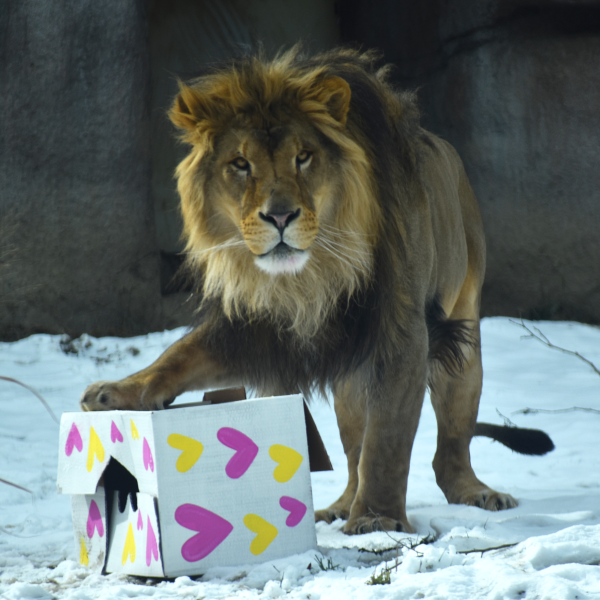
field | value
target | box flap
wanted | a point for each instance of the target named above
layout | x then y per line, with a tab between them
226	395
317	453
90	526
134	545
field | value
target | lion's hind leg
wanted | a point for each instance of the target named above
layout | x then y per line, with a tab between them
455	384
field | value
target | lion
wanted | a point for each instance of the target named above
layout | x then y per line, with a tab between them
338	247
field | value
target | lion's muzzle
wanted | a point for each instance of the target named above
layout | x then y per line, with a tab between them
282	259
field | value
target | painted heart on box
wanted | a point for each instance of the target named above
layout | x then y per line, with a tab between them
191	450
289	461
115	434
129	548
265	533
94	520
147	455
296	509
73	441
96	449
151	545
245	451
83	554
212	530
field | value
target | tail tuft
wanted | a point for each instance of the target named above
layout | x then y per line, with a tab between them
524	441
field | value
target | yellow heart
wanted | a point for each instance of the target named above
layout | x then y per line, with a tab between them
134	432
95	448
265	533
83	555
289	460
129	549
191	451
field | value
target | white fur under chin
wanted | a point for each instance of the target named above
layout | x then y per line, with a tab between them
278	265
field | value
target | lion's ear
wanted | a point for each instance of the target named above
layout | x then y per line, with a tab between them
335	93
190	108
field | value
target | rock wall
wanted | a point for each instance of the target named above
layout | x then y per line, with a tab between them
77	248
515	87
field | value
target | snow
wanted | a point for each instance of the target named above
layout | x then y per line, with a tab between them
546	548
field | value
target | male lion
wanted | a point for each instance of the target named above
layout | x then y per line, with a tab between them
338	246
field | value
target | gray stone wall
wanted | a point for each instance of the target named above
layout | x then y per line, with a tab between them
522	109
515	87
77	248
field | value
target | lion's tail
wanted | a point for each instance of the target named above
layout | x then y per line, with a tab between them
523	441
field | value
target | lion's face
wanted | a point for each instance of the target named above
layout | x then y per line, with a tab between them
276	193
272	185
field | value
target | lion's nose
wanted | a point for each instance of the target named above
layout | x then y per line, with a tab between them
280	219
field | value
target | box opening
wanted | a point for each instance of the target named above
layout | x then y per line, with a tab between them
116	478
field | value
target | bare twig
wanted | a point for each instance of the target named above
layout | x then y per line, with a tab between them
475	551
19	487
533	411
538	335
378	551
407	543
507	421
33	392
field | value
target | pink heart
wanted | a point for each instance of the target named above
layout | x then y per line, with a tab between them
73	440
151	545
140	523
212	530
246	451
94	521
115	434
296	509
148	460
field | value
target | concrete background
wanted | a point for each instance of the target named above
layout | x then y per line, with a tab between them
77	227
89	228
514	85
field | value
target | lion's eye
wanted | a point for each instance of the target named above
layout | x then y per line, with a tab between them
241	163
303	158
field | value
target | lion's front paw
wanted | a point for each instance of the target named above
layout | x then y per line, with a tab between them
370	523
112	395
97	396
489	500
329	515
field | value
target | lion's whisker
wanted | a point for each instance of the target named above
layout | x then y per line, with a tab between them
343	232
345	248
326	247
345	241
221	246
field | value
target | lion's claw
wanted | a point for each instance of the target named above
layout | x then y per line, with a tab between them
489	499
369	524
329	515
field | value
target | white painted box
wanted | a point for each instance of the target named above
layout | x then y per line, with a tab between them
173	492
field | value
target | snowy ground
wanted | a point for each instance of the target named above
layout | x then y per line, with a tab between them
550	544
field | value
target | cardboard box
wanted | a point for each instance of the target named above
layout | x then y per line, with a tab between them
173	492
